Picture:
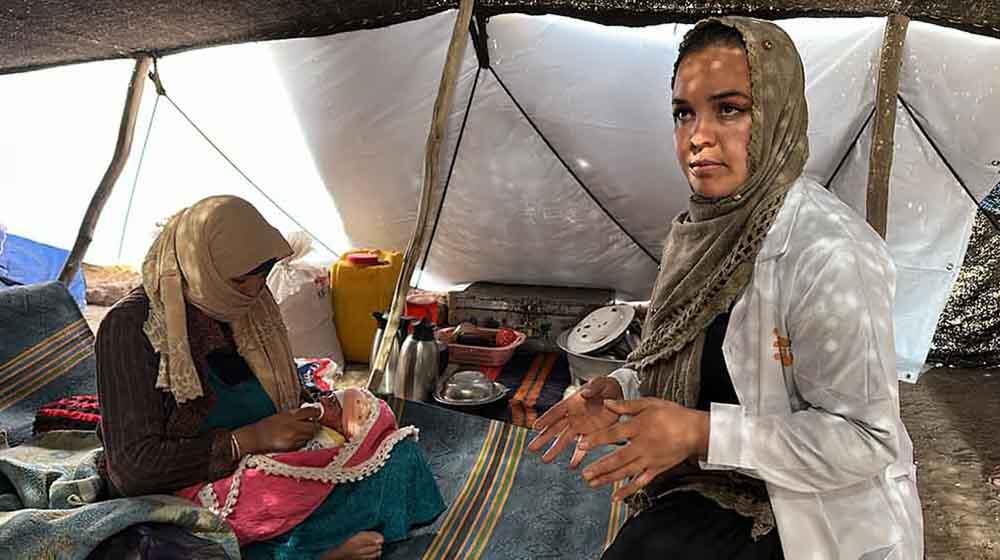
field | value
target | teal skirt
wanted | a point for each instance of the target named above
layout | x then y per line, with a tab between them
400	496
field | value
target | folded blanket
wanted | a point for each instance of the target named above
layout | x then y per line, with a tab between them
49	508
81	412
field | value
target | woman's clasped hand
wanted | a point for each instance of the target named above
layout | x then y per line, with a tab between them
284	431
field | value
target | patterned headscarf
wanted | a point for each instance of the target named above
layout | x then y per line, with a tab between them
193	260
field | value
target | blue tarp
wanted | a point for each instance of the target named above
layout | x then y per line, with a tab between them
24	262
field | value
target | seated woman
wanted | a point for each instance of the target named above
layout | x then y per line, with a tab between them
760	413
200	396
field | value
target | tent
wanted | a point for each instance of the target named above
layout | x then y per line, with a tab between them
557	152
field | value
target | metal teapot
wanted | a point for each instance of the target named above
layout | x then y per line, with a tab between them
419	360
387	384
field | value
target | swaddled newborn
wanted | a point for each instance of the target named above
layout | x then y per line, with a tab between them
343	417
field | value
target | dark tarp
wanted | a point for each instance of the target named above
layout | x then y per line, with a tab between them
40	33
968	332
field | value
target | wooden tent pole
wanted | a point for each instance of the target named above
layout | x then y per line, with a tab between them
432	157
103	192
883	134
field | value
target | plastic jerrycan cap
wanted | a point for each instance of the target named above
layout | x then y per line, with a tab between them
363	258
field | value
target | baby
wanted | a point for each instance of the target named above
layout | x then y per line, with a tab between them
343	417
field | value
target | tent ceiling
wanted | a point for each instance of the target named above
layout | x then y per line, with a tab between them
39	33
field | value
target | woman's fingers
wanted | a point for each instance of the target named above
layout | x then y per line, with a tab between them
306	429
551	415
629	470
565	438
595	387
299	433
610	463
370	538
542	438
305	414
619	431
637	484
578	455
629	407
546	435
372	548
606	387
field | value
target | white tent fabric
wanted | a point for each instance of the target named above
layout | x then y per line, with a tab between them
949	80
348	116
364	101
60	127
518	216
953	96
512	211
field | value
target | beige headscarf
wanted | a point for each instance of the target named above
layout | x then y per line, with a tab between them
193	260
709	254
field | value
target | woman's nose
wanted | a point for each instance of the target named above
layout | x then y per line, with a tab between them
703	135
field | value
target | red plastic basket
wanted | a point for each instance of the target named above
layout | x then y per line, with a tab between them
479	355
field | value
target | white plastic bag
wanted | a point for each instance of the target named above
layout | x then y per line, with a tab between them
302	291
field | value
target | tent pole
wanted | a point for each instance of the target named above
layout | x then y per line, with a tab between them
125	133
883	135
432	156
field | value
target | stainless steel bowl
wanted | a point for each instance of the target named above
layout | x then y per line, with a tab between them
468	388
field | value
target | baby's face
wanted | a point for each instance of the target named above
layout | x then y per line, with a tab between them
357	408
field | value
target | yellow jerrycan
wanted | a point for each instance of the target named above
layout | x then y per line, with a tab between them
362	282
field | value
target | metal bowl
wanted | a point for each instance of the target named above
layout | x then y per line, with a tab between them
469	388
582	367
600	330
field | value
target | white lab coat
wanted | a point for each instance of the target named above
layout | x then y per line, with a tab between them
821	427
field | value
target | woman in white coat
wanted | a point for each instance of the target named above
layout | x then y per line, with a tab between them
760	413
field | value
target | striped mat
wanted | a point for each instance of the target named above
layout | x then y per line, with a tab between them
504	503
46	352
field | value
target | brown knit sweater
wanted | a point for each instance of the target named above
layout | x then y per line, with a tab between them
152	444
